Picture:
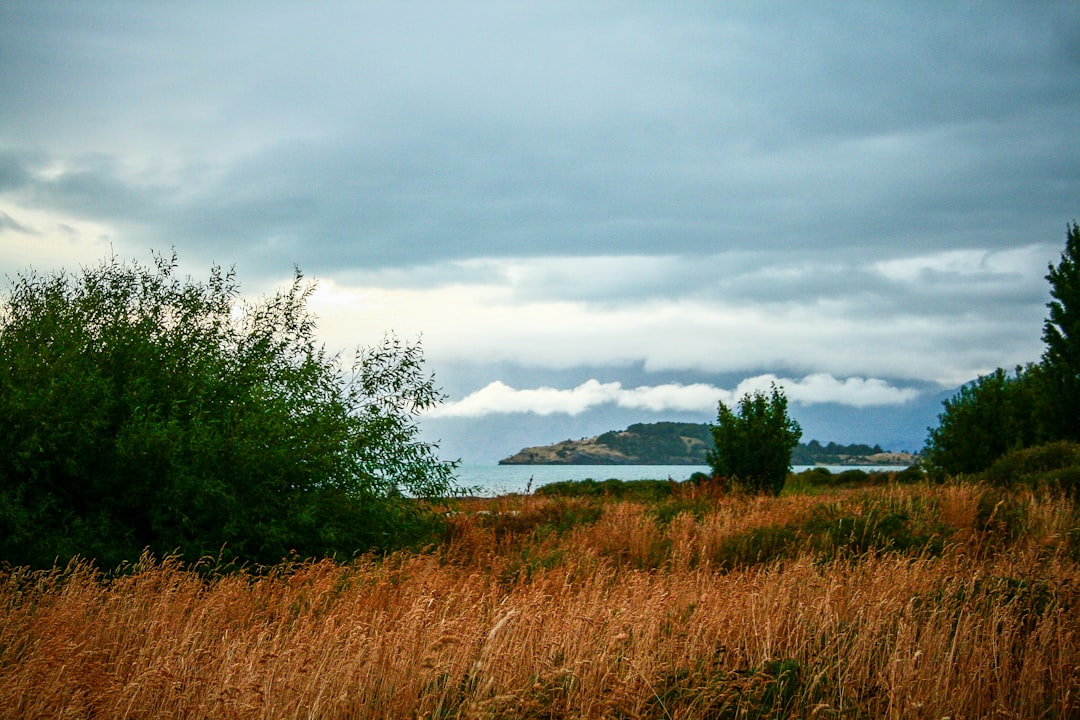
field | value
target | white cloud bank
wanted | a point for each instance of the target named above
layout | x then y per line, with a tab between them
943	318
497	397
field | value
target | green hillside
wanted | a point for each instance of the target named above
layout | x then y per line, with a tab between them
675	443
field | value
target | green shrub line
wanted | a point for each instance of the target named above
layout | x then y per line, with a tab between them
651	490
642	490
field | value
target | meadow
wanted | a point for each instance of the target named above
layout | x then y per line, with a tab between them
887	600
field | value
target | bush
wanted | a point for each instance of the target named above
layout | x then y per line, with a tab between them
816	476
640	490
138	410
853	476
753	447
1051	466
838	532
989	417
910	474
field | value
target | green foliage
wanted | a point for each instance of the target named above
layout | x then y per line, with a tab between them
854	476
818	479
753	447
1061	333
640	490
1053	466
815	477
999	412
837	530
989	417
667	510
911	474
814	452
670	443
775	689
139	410
759	544
999	515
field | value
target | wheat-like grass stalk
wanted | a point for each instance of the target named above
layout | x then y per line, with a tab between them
625	616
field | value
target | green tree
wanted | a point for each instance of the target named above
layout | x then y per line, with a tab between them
753	447
987	418
139	410
1061	333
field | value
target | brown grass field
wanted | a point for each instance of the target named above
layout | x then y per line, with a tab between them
897	601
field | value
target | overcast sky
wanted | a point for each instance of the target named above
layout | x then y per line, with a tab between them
577	206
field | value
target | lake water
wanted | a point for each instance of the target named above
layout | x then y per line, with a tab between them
505	479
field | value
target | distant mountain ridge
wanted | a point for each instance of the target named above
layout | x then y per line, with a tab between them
675	443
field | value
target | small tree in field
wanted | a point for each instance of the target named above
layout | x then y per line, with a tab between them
753	447
139	410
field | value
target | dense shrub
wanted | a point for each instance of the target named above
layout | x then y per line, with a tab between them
139	410
835	530
817	476
987	418
753	445
820	478
1051	466
642	490
910	474
840	531
854	476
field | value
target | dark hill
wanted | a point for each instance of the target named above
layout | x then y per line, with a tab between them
675	443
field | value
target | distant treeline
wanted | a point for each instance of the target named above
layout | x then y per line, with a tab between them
666	443
813	453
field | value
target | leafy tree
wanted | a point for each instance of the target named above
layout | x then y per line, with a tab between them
987	418
139	410
753	447
999	412
1061	333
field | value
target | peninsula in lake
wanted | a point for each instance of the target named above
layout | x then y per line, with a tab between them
674	443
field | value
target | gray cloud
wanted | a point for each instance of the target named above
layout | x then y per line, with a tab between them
382	136
9	223
868	190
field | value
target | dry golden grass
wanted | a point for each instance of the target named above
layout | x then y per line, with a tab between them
552	609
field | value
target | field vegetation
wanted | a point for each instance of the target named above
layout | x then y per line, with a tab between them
857	598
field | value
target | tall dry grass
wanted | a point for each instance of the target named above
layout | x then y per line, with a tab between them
552	609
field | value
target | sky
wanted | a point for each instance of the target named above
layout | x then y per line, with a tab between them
588	214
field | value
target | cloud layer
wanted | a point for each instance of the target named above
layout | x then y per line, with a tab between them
859	198
939	317
498	397
346	135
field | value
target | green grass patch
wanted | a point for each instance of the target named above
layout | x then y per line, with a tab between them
635	490
838	530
